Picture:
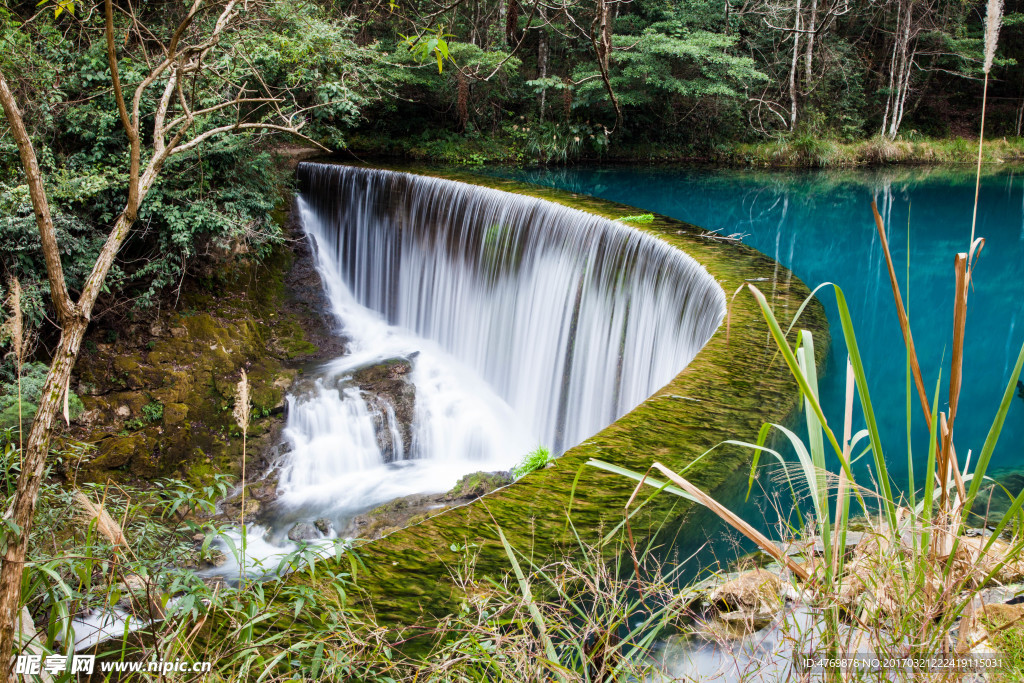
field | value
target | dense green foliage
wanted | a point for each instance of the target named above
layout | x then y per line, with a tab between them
214	199
32	377
637	78
468	82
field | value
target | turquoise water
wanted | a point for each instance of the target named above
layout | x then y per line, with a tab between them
819	224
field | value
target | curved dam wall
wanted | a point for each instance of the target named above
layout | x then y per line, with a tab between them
625	320
570	318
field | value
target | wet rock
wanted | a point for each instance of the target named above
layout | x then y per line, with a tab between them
265	490
88	389
25	627
215	559
281	384
119	452
478	484
231	509
386	370
391	398
394	515
853	539
303	531
259	497
324	526
408	510
998	595
27	641
744	622
756	590
88	417
304	389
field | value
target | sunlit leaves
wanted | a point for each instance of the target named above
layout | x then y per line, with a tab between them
434	47
60	6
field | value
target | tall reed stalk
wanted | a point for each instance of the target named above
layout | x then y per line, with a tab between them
243	409
16	331
993	21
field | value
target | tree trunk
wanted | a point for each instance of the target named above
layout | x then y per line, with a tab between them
793	68
608	14
511	21
542	57
74	316
24	505
74	319
41	208
812	30
54	389
900	68
602	42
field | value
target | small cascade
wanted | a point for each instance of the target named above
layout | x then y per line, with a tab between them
499	322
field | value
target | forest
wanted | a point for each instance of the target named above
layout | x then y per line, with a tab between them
466	340
752	82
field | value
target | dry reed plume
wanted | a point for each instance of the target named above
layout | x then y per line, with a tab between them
106	525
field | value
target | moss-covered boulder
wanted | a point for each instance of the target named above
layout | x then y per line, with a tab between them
479	484
158	397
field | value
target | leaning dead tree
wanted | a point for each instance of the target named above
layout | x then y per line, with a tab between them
190	95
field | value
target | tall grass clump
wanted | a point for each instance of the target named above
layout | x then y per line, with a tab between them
594	614
534	460
911	583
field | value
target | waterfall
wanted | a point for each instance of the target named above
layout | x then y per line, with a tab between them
524	323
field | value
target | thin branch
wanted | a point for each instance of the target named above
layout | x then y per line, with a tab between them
293	130
130	126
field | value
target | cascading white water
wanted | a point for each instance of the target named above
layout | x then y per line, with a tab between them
526	323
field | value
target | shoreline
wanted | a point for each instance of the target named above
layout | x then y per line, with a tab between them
791	153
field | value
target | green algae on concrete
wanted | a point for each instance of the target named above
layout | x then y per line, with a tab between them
734	385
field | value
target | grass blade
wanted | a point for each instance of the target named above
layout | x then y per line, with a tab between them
524	586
